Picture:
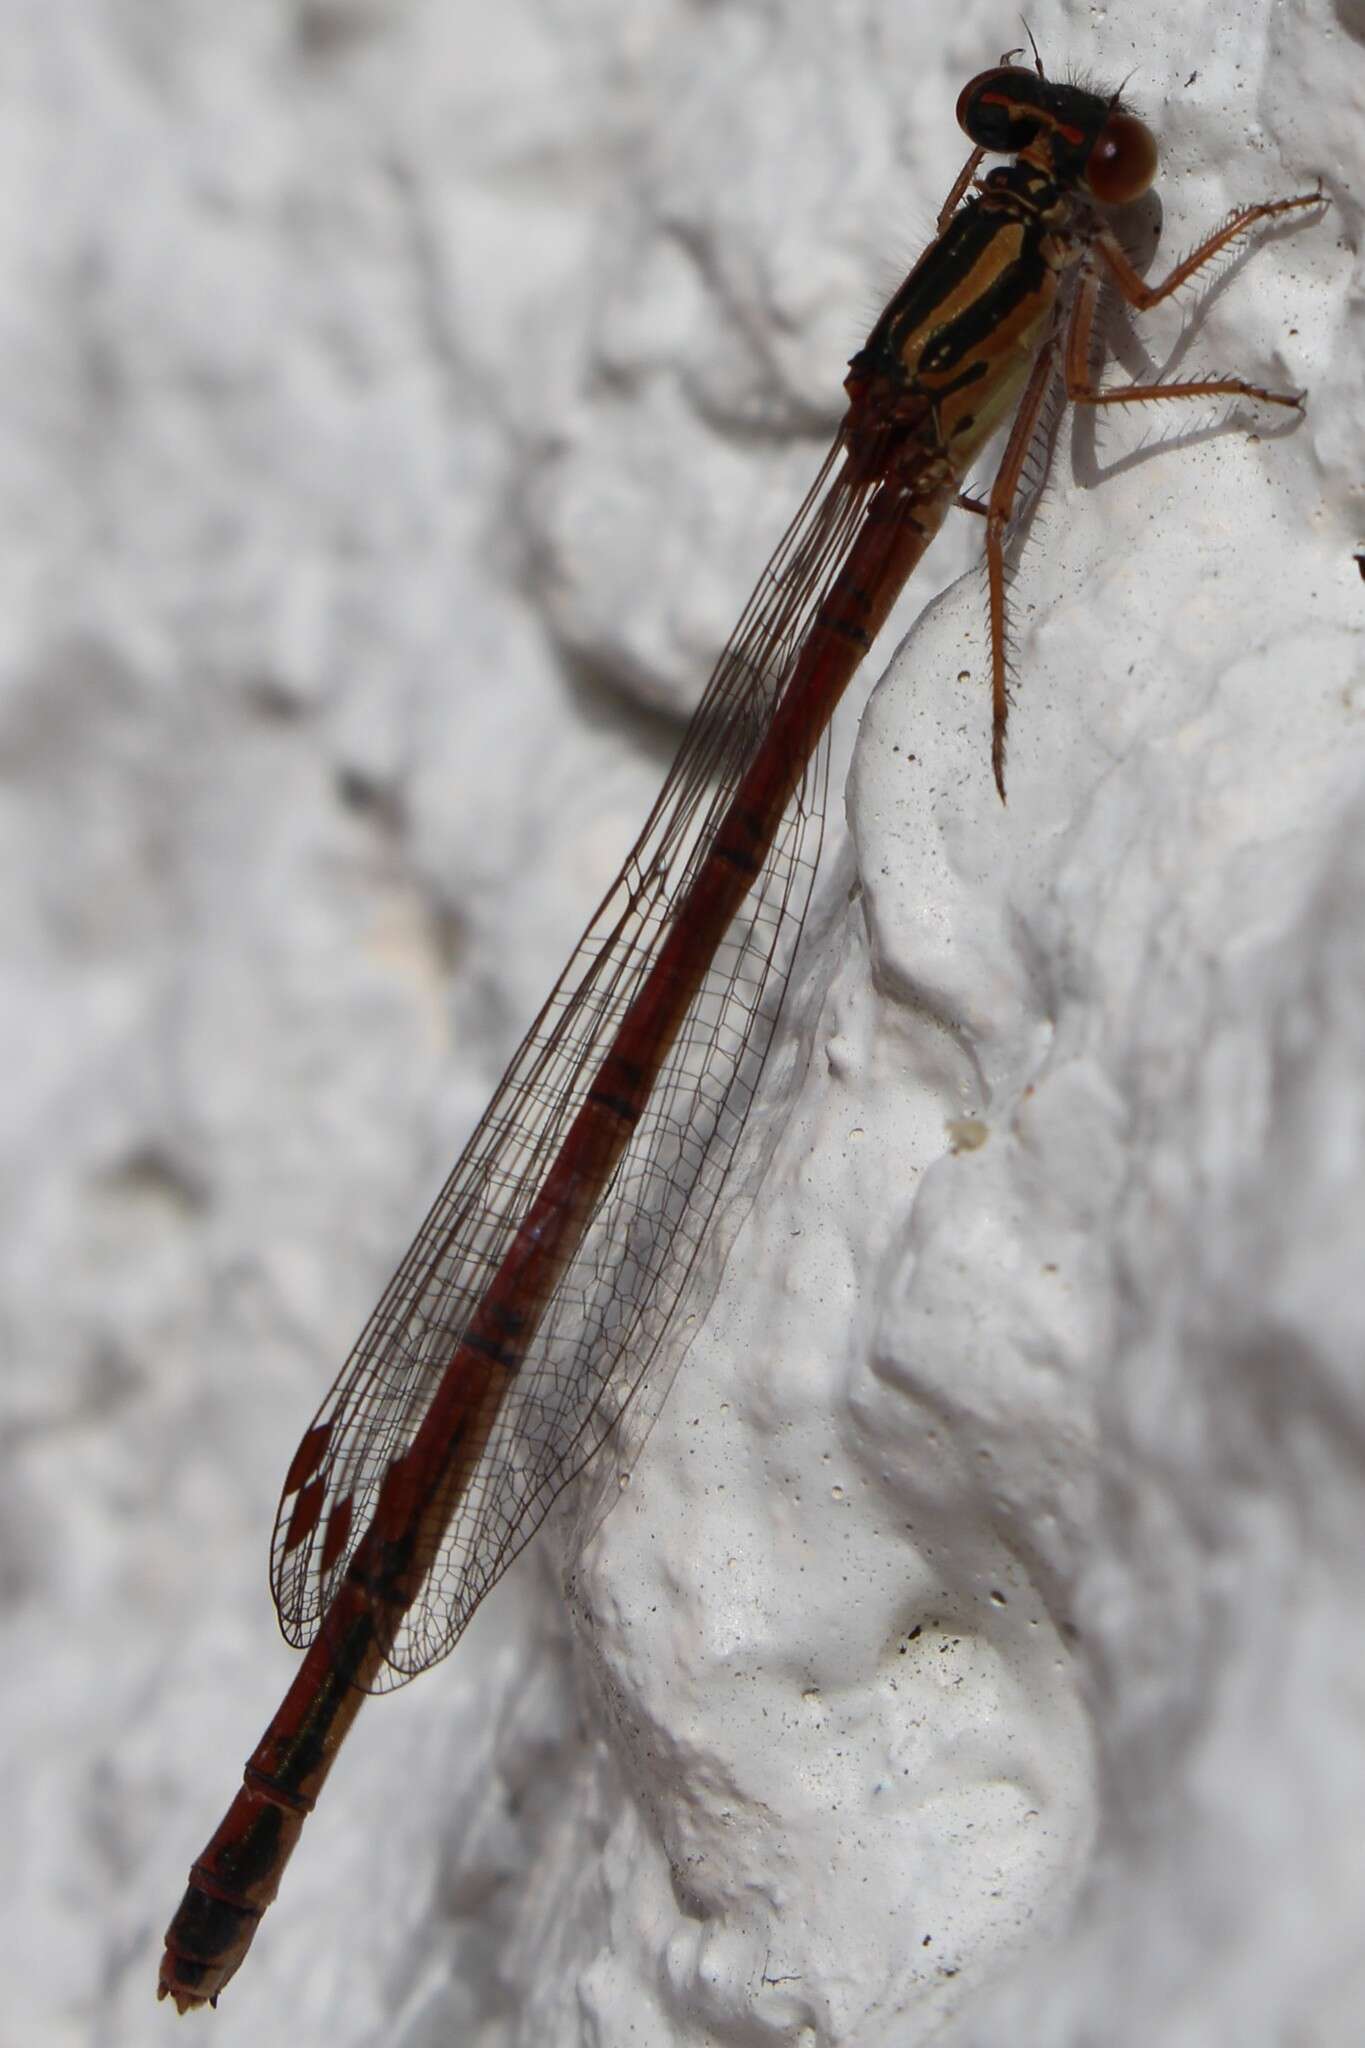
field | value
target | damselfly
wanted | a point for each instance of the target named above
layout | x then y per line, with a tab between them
540	1285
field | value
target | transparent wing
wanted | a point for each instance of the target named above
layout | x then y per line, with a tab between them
603	1324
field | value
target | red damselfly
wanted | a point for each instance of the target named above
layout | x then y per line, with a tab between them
542	1281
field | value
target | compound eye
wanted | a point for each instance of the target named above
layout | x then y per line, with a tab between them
993	109
1122	163
964	101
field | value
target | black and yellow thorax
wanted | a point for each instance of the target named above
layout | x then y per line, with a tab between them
954	346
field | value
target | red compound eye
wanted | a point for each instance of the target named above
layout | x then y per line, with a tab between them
1122	163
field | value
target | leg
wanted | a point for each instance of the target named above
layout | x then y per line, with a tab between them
997	514
1082	390
960	184
1142	297
1079	383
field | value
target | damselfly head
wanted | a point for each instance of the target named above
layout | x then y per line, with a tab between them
1082	135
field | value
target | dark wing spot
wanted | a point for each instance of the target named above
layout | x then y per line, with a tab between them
304	1519
338	1529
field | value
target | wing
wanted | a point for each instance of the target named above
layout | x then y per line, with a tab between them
604	1323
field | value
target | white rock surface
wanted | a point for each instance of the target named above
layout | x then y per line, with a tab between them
399	402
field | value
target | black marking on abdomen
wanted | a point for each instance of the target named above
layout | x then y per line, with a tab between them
737	858
487	1347
617	1105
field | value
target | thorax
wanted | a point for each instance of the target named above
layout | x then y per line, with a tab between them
955	345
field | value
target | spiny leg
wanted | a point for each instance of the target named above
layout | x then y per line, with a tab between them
1080	384
1143	296
998	513
960	184
1082	390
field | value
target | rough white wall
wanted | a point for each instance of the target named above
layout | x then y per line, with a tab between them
399	400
